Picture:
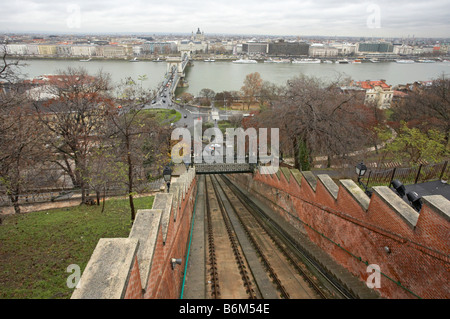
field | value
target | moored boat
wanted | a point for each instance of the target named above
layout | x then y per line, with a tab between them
270	60
405	61
245	61
306	61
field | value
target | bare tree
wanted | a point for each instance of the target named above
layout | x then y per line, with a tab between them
314	118
132	127
186	97
251	88
73	114
8	69
427	107
207	95
21	149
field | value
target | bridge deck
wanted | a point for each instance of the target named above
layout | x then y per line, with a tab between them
223	168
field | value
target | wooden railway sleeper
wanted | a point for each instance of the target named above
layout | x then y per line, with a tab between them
258	250
215	289
282	248
232	237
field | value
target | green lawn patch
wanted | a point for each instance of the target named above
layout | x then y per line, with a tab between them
164	115
36	248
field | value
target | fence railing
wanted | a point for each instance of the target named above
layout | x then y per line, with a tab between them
54	196
409	175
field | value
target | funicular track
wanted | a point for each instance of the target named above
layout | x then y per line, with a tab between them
229	273
228	279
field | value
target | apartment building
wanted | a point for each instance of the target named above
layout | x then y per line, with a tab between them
84	50
47	49
283	48
378	92
322	51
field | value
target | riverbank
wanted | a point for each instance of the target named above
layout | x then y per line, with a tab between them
221	58
224	75
81	59
124	59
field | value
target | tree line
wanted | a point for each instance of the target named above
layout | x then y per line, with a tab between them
83	125
318	118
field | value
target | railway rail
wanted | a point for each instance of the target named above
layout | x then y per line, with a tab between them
230	217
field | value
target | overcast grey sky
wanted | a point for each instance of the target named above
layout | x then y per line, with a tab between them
383	18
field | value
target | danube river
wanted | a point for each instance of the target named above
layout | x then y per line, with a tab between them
228	76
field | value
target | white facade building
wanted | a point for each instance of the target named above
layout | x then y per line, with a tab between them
320	50
403	49
83	50
16	49
32	49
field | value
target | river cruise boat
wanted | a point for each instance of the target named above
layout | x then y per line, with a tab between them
405	61
306	61
245	61
270	60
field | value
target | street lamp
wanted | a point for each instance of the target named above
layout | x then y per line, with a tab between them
167	174
415	200
399	187
361	169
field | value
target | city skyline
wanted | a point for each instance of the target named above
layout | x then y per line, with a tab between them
429	19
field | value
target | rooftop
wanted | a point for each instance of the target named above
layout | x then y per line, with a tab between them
371	84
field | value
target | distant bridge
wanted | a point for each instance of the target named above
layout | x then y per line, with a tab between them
175	75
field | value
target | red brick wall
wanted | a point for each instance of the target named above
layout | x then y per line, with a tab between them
418	262
165	283
134	288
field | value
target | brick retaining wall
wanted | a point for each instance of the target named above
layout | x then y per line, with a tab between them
355	229
140	266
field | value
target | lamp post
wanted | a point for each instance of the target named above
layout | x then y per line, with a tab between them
361	169
167	174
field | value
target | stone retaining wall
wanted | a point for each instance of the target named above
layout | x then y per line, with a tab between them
140	266
411	249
